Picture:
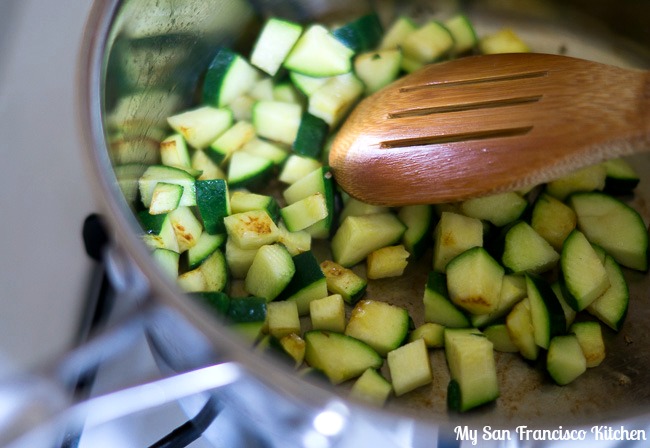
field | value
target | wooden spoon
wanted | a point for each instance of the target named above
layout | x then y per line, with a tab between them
486	124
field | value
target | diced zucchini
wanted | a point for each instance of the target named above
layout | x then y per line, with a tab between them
228	77
305	212
274	43
268	150
319	53
334	99
251	230
321	181
161	173
217	301
470	357
167	261
338	356
379	324
277	120
165	198
271	272
297	167
173	151
307	84
361	34
565	360
377	69
247	309
611	307
210	275
590	338
429	43
418	220
397	33
513	289
160	229
215	271
192	281
287	92
358	236
187	227
203	163
355	207
233	139
519	323
262	90
433	334
453	235
244	201
328	313
621	177
201	126
239	260
308	282
294	346
246	170
372	388
583	274
499	209
462	30
213	201
500	337
203	248
311	136
247	316
409	367
586	179
474	281
502	41
613	225
389	261
283	318
526	251
546	312
437	306
553	220
569	313
295	242
343	281
242	108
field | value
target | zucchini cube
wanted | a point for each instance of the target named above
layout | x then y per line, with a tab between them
343	281
386	262
251	230
433	334
328	313
372	388
379	324
409	367
590	338
453	235
474	281
283	318
470	357
270	272
565	360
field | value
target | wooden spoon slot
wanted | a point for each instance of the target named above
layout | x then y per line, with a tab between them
419	112
455	138
483	80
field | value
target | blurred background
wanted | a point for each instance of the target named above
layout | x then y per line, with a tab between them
44	192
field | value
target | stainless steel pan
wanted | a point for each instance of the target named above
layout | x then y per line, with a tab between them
141	62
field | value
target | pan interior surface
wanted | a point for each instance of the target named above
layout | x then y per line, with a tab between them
152	72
